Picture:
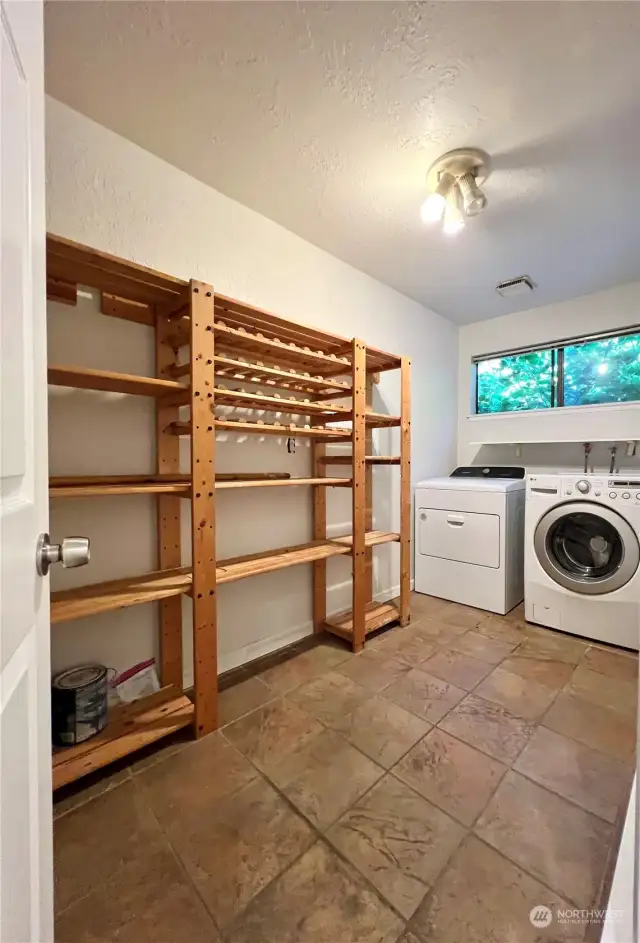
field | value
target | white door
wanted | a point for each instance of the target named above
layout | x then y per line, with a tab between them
26	863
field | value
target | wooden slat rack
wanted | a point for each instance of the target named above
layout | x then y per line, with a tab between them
206	346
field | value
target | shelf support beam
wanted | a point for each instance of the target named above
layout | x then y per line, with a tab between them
359	499
319	533
203	532
405	491
168	515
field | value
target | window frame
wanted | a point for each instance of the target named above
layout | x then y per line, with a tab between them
557	350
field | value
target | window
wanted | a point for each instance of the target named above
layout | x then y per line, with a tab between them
582	373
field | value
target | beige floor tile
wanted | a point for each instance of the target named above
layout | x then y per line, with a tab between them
451	774
416	648
152	902
462	616
90	787
329	697
409	937
241	698
270	733
600	689
324	777
544	643
552	674
442	633
390	639
481	646
595	781
456	668
523	696
237	846
424	695
196	778
483	898
398	840
423	606
374	669
502	628
113	834
612	663
489	727
297	667
555	841
382	730
606	730
318	900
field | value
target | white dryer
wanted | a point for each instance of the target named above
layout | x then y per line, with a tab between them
469	537
582	555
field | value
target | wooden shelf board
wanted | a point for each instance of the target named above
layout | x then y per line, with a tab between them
130	728
85	379
181	489
270	376
382	420
75	264
328	482
372	538
69	604
376	616
254	564
236	314
232	339
184	428
225	397
369	459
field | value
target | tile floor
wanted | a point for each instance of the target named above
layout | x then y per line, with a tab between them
432	789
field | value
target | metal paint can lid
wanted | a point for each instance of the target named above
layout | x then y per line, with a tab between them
80	677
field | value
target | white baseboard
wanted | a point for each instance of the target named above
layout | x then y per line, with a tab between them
273	643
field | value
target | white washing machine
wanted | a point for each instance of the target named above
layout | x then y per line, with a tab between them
469	537
582	555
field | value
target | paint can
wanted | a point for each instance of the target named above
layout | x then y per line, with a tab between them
79	704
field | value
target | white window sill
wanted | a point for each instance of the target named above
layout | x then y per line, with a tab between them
610	422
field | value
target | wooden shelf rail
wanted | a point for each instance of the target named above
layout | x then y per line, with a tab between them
179	428
233	369
377	615
369	460
81	378
130	728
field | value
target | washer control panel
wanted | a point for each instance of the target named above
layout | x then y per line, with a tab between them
620	490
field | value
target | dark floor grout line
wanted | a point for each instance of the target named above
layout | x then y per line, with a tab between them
181	866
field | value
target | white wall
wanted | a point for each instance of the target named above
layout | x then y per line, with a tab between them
108	193
616	308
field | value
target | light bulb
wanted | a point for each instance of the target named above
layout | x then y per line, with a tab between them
473	198
453	215
432	209
434	206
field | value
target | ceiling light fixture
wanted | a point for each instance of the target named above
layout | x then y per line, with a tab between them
454	182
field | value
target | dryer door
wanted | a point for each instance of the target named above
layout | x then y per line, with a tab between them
586	548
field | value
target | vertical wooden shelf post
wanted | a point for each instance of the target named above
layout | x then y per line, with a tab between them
368	490
319	450
168	511
358	491
203	532
405	491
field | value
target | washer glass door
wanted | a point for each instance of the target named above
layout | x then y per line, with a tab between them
587	548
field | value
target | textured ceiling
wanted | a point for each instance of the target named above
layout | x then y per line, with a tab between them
325	117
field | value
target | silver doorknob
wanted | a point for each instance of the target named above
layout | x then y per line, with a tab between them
73	551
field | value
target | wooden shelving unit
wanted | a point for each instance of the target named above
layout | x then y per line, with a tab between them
207	346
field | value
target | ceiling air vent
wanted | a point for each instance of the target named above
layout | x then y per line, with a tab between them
515	286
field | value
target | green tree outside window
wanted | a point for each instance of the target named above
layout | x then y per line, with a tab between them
599	371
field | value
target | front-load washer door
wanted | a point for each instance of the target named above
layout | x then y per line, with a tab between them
586	548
